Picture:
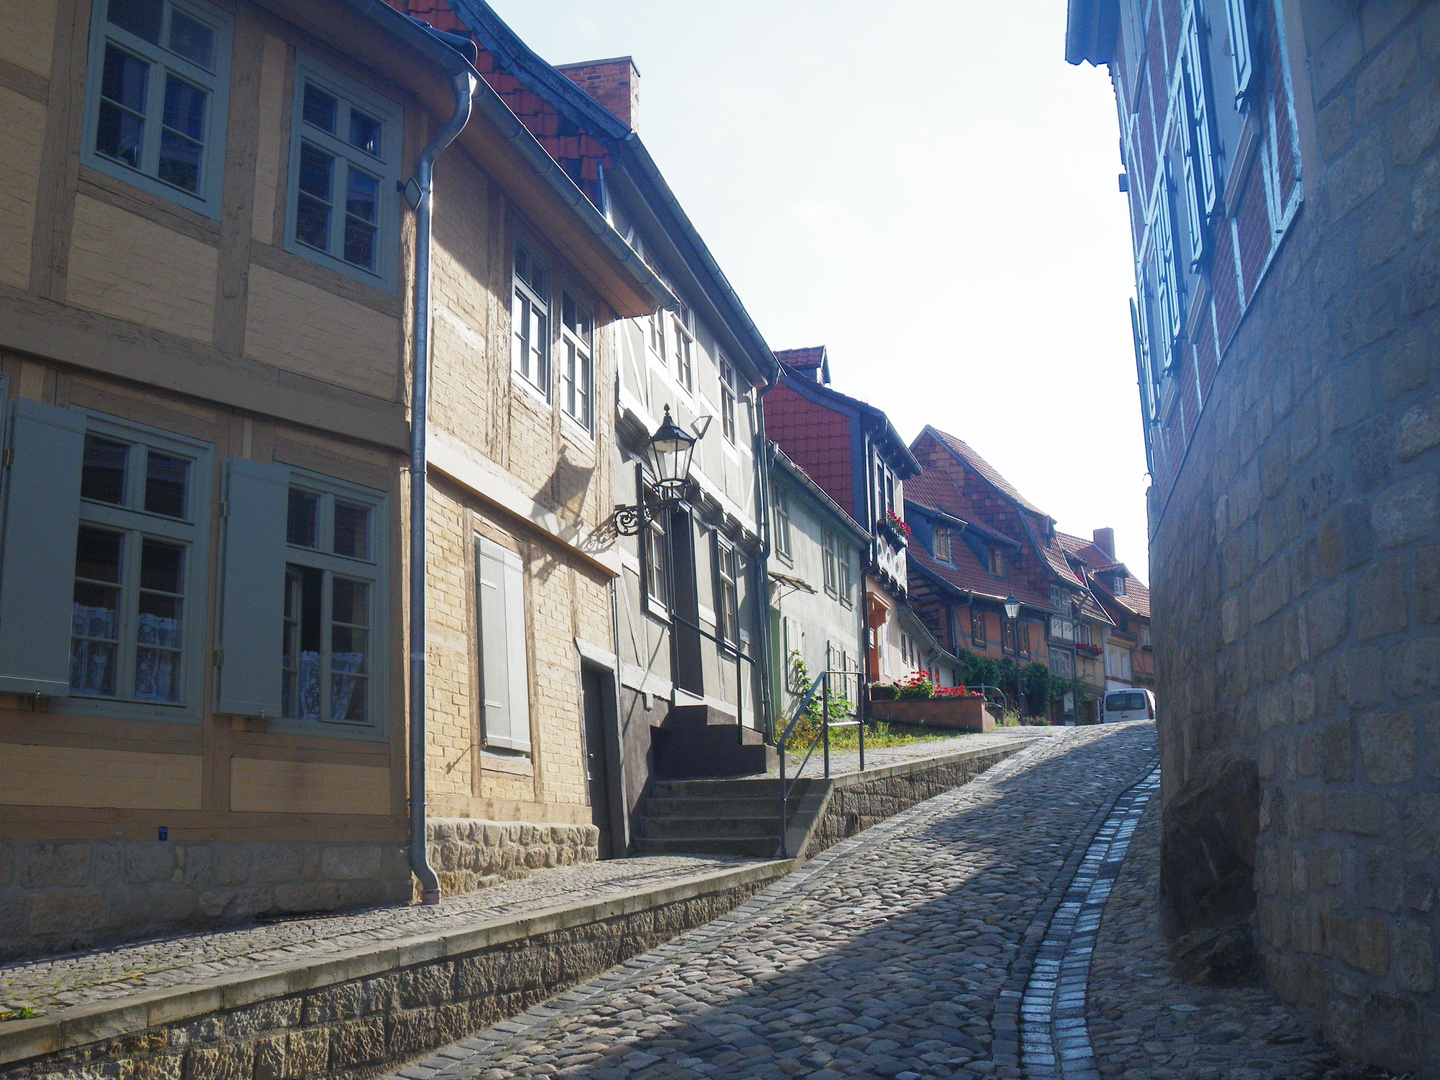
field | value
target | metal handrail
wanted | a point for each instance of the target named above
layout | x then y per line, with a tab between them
740	655
821	683
1004	697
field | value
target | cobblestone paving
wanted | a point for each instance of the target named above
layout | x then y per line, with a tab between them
1144	1023
848	761
176	960
883	957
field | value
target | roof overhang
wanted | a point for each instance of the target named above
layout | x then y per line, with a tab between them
1091	30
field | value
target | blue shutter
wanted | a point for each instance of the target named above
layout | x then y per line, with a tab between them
252	589
1191	170
1242	46
504	683
37	568
1201	118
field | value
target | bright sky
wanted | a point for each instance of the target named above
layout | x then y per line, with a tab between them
924	186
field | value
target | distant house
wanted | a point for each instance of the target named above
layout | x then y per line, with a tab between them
1015	545
1128	653
817	561
853	452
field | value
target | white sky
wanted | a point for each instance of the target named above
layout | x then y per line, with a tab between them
924	186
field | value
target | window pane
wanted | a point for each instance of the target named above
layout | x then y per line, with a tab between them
319	108
352	534
162	566
157	674
180	143
121	126
97	555
300	665
312	216
302	519
102	474
361	208
361	195
191	38
95	623
360	243
364	132
140	17
348	637
350	602
165	481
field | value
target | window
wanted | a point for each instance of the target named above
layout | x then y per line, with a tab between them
1144	633
659	337
727	600
500	624
1242	46
1201	165
530	321
577	370
1007	635
942	544
657	566
884	488
782	523
836	559
1062	664
1167	300
907	652
1022	638
344	167
1118	585
1084	632
155	110
728	394
685	349
330	607
137	613
997	562
977	628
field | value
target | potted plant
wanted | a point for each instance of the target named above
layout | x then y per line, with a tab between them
882	691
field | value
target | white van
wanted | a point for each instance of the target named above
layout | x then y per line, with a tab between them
1134	703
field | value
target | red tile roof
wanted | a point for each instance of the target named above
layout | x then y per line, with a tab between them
992	476
811	356
966	574
935	489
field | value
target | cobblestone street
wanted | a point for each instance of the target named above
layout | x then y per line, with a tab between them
903	952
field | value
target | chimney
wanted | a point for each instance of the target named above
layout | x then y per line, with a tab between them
1105	541
614	83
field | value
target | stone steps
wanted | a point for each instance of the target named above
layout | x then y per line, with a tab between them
714	817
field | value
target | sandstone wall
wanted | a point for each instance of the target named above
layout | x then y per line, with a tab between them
1297	561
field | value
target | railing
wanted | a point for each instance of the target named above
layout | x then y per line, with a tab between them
984	690
822	685
740	656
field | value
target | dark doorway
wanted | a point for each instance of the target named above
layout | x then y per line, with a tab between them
595	689
686	605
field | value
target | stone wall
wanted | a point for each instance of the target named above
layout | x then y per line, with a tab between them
854	807
364	1027
1297	562
470	854
56	896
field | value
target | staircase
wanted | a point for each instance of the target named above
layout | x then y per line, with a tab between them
713	817
698	740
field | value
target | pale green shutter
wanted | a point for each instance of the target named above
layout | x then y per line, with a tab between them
252	590
37	568
504	684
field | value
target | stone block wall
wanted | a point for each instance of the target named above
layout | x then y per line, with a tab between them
470	854
1297	561
364	1027
56	896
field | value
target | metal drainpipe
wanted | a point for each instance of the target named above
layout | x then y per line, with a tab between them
463	84
761	455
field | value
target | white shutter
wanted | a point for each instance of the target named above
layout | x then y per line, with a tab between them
252	588
37	567
504	676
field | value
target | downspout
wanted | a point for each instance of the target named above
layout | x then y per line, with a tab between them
464	84
761	455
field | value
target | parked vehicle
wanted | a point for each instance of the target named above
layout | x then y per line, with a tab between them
1130	704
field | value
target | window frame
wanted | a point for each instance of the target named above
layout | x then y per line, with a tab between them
195	532
373	571
206	199
577	357
784	545
729	396
940	538
685	349
523	291
727	590
391	115
655	567
977	623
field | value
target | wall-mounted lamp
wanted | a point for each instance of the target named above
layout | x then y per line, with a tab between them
668	452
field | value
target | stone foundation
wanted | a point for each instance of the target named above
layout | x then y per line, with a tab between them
469	853
60	896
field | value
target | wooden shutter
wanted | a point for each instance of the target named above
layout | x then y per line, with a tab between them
504	675
1242	45
252	588
37	567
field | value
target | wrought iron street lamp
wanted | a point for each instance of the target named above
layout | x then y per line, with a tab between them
1012	612
669	453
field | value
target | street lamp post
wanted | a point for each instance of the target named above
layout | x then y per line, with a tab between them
1012	612
1078	604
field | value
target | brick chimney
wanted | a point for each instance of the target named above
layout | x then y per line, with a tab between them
614	83
1105	541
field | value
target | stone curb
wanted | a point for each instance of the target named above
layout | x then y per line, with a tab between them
96	1021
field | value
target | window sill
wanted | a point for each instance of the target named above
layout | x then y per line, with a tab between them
535	393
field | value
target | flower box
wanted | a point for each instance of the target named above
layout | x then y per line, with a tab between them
950	713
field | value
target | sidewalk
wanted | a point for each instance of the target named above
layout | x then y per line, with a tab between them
848	761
